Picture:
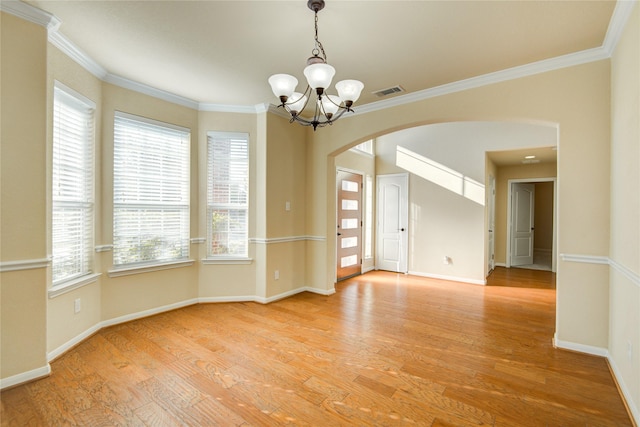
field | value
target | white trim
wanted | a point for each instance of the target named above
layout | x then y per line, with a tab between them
539	67
198	240
595	259
34	374
76	54
151	91
213	300
71	285
146	268
242	109
449	278
104	248
368	269
227	260
54	354
325	292
618	21
31	14
626	393
588	259
147	313
267	241
632	276
582	348
26	264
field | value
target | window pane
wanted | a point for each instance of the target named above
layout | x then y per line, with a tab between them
150	191
349	186
72	185
349	223
349	205
349	242
227	194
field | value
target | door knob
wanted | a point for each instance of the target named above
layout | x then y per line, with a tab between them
402	229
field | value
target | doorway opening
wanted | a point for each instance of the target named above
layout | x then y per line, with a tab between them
531	224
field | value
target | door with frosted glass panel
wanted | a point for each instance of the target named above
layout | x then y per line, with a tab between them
349	234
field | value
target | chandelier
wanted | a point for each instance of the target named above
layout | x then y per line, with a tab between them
327	108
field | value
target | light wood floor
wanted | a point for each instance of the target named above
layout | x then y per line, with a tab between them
386	349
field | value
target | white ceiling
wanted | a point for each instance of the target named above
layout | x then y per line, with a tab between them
223	52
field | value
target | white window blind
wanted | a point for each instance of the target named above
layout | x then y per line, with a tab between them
227	194
150	191
72	185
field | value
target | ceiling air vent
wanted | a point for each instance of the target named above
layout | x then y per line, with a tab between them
388	91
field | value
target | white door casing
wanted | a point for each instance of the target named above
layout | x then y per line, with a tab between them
492	225
392	230
522	225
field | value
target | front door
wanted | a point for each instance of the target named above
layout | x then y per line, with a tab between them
349	240
392	232
522	205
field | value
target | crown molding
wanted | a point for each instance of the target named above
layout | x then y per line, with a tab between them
75	53
617	23
564	61
619	19
222	108
31	14
151	91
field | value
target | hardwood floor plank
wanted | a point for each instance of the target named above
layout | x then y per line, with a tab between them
386	349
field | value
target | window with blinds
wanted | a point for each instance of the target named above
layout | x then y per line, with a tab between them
150	191
227	194
72	185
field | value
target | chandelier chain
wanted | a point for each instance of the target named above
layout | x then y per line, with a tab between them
318	44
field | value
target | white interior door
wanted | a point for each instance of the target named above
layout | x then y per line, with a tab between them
392	213
522	204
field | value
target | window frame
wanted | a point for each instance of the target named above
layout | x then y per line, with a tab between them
211	206
157	207
82	197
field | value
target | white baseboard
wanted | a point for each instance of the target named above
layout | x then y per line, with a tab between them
147	313
450	278
603	352
626	394
582	348
73	342
25	377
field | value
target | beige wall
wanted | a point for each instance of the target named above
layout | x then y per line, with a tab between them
442	222
285	182
577	99
504	174
624	251
22	184
63	324
227	280
596	306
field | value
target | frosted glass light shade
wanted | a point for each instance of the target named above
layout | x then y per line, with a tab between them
319	75
330	106
283	85
349	90
298	102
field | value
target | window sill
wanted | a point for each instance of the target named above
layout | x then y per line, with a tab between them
146	268
227	260
71	285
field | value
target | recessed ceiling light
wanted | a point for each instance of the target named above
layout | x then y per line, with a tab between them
529	157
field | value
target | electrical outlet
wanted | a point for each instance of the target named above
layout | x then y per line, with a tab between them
76	306
629	350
